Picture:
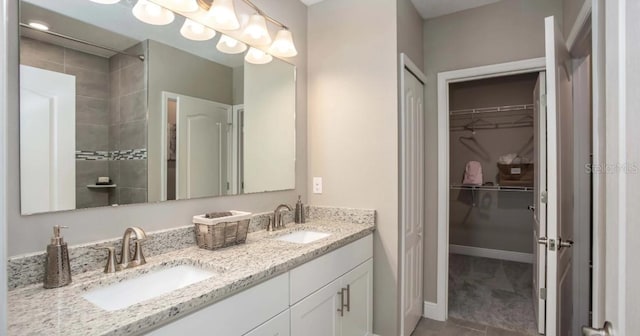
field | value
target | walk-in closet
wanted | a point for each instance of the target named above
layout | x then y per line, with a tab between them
491	228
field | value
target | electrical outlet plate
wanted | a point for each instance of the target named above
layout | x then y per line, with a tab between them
317	185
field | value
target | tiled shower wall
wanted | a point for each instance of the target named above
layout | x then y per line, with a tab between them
128	126
110	119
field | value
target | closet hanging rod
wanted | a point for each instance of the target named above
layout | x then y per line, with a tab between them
70	38
490	188
495	109
496	126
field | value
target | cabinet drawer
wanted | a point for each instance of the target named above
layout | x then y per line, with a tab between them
235	315
277	326
307	278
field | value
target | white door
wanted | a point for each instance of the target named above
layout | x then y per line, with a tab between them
358	298
412	200
47	140
559	184
201	147
317	314
539	207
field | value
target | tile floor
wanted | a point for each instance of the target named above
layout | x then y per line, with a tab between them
487	297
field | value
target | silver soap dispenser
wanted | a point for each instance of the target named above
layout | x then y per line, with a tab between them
57	272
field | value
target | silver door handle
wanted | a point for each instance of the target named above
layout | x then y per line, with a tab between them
606	330
341	309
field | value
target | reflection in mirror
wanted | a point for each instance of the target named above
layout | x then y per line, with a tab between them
114	111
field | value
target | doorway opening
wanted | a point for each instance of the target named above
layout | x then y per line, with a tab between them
492	146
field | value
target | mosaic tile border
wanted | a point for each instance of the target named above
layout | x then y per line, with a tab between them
117	155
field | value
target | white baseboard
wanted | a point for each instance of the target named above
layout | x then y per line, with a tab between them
490	253
433	311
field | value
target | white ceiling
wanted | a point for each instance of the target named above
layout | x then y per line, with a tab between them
432	8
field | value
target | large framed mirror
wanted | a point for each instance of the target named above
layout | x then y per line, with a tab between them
114	111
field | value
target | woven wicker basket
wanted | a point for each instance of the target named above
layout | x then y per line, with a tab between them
218	230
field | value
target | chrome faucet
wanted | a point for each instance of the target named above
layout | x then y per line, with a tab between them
275	222
138	257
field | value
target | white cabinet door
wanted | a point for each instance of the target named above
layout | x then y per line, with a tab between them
277	326
358	315
317	314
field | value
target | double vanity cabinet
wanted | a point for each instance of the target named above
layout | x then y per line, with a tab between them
327	296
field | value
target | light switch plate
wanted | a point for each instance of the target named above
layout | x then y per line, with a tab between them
317	185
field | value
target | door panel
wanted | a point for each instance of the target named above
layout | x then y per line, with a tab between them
358	319
540	187
559	181
47	140
317	314
412	198
201	147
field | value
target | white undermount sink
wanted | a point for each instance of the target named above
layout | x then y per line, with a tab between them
303	237
147	286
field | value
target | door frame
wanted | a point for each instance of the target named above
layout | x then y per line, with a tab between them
439	309
405	63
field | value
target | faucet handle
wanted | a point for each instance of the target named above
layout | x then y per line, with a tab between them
138	257
111	259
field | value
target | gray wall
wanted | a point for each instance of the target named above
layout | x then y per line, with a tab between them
32	233
353	127
176	71
490	219
410	32
506	31
570	10
128	125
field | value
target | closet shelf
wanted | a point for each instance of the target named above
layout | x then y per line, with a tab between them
495	109
490	188
101	186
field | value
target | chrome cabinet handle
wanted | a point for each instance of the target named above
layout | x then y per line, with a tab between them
341	309
348	305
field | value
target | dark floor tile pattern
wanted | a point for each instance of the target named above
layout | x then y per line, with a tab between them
457	327
491	292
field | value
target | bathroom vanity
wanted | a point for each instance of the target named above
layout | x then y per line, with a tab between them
277	283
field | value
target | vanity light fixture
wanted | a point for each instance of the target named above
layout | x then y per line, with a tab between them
229	45
185	5
257	56
256	31
222	15
151	13
106	2
196	31
38	25
283	45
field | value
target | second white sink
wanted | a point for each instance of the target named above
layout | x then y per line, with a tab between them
129	292
303	237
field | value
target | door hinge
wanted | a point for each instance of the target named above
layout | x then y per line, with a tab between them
543	197
543	294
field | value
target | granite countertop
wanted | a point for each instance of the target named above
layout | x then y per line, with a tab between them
34	310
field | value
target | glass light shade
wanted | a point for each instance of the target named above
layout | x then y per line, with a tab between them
180	5
283	45
230	45
256	31
257	56
223	15
106	2
151	13
196	31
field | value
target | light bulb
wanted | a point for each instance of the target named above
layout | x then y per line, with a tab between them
257	56
196	31
106	2
256	31
223	15
230	45
151	13
283	45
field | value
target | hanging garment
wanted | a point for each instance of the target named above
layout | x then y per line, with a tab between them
473	173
